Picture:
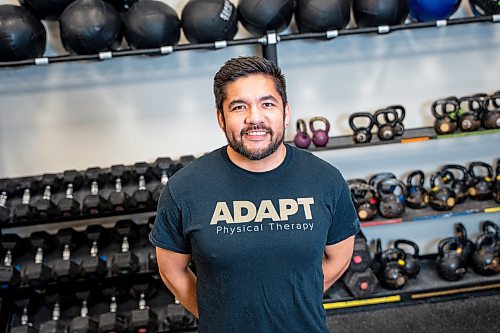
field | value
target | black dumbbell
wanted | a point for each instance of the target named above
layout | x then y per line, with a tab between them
163	170
83	323
66	269
94	203
94	266
39	273
55	325
178	318
7	189
184	161
118	199
143	319
142	197
44	206
152	261
124	262
361	258
112	321
25	211
10	277
68	205
25	326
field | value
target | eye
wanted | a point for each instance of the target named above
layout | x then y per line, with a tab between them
238	107
268	104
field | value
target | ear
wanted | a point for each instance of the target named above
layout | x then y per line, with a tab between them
287	115
220	119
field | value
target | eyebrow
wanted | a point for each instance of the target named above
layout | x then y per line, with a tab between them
262	99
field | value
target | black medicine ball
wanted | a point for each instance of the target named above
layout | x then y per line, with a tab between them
259	16
373	13
89	27
485	7
207	21
151	24
322	15
46	9
22	35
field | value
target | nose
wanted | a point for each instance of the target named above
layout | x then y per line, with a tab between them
254	115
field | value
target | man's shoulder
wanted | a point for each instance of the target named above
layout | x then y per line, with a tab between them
316	165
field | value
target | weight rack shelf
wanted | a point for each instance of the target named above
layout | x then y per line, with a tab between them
267	41
427	286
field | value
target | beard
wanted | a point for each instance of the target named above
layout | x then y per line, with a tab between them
256	154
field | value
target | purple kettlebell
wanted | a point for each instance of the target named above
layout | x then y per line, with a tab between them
320	136
302	139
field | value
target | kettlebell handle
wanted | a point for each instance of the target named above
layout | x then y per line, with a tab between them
394	182
461	168
321	119
445	177
490	225
478	164
444	104
392	254
378	246
460	231
356	115
408	242
380	176
301	126
488	236
387	121
492	102
447	242
400	111
411	176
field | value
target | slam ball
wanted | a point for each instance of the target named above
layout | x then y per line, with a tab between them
374	13
485	7
89	27
151	24
46	9
206	21
431	10
322	15
259	16
22	35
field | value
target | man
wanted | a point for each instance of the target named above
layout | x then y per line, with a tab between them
268	226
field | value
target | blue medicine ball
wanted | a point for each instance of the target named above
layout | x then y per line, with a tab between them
431	10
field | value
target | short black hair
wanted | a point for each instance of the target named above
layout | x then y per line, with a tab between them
236	68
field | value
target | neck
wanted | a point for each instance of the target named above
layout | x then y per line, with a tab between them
266	164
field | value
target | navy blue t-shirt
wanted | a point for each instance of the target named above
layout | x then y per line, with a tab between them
257	239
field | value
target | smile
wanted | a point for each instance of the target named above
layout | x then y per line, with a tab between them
256	133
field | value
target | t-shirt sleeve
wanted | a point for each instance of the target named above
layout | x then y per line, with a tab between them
167	231
345	222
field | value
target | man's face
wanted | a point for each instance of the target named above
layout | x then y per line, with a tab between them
254	116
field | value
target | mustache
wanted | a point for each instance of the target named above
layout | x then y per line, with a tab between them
256	128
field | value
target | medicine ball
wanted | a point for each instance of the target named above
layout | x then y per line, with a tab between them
22	35
373	13
431	10
151	24
259	16
122	5
485	7
89	27
206	21
322	15
46	9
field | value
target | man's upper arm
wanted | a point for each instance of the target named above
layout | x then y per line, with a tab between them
170	262
341	250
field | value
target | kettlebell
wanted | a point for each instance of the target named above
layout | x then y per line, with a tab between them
489	226
491	116
361	134
392	273
480	186
466	243
450	265
460	180
376	178
417	197
496	183
319	136
412	265
392	202
445	111
364	198
386	120
486	259
401	114
469	113
441	197
302	138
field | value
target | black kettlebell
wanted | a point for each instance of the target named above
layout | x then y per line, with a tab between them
417	197
302	138
376	262
480	186
441	196
376	178
364	198
412	265
491	227
392	202
486	259
469	113
460	180
392	273
450	265
361	134
386	120
496	183
491	116
466	243
319	136
401	114
445	111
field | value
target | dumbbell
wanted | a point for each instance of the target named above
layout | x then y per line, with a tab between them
25	211
119	200
94	266
142	197
68	205
163	170
39	273
94	203
112	321
152	260
66	269
143	319
83	323
178	318
10	277
25	326
184	161
360	284
361	258
55	325
125	262
7	189
44	206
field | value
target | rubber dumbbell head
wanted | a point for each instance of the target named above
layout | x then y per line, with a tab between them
163	169
38	273
94	203
94	265
45	206
112	321
55	325
142	197
72	181
124	262
118	199
178	318
25	210
66	269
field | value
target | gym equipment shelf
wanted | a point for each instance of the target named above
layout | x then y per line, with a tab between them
427	286
268	42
